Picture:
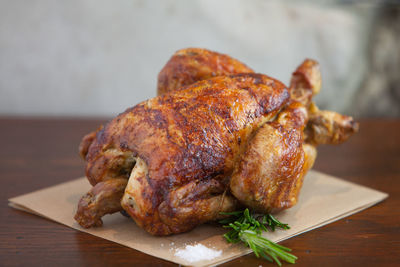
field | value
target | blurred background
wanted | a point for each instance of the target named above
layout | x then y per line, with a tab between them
95	58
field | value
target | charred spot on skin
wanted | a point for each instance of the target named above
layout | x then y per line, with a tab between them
124	145
265	103
257	80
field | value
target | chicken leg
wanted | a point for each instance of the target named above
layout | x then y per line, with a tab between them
269	175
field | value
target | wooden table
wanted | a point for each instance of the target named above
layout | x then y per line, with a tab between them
37	153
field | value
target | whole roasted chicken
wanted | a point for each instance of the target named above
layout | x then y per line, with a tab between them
218	137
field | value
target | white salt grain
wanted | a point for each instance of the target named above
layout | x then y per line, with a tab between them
197	253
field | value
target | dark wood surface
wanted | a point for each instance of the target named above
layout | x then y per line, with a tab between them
36	153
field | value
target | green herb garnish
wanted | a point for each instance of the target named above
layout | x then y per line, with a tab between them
247	227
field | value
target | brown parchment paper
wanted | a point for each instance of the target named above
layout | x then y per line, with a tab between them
323	199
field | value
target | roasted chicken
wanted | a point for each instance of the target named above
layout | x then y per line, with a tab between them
208	144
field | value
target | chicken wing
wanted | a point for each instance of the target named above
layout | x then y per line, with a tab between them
328	127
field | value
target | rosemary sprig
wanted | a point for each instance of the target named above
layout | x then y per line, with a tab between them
247	227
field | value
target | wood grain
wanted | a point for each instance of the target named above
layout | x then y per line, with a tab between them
37	153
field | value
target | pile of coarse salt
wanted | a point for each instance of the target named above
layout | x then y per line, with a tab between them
197	253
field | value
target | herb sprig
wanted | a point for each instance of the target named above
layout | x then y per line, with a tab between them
247	227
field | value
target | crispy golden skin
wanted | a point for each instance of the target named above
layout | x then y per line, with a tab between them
185	144
190	65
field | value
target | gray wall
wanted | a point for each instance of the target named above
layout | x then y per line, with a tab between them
98	57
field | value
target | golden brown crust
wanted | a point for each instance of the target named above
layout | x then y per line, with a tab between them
190	65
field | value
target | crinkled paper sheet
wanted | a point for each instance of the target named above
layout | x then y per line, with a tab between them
324	199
